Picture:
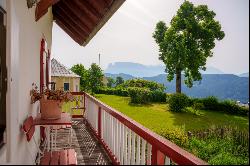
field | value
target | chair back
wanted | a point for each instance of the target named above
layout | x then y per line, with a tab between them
29	128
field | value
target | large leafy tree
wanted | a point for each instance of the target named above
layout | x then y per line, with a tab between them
187	43
83	73
111	82
119	80
95	77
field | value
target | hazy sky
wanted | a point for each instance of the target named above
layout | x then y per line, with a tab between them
127	36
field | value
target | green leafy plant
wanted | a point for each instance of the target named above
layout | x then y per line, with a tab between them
198	106
176	135
49	95
177	102
139	95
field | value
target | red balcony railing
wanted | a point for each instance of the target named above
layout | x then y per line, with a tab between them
128	142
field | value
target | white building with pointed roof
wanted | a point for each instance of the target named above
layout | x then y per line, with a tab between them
63	78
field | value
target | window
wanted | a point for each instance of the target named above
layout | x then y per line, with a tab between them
77	88
3	76
53	86
66	86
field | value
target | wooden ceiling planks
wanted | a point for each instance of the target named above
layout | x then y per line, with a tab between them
71	19
82	19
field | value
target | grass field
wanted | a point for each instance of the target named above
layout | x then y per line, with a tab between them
67	108
156	116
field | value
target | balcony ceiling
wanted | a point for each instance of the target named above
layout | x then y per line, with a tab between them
82	19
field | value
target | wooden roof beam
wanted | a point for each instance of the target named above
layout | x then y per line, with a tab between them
108	2
82	16
73	20
42	7
67	30
67	23
88	9
100	6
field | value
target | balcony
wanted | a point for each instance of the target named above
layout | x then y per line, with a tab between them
103	135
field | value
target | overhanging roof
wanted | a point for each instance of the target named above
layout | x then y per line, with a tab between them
82	19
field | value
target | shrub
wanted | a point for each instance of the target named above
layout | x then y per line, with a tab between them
177	102
210	103
139	95
113	91
231	107
140	83
158	96
198	106
176	135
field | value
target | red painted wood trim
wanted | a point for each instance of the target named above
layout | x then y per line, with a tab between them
42	7
160	158
154	156
174	152
77	93
77	116
41	65
100	122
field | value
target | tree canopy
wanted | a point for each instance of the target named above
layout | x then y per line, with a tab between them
83	73
91	79
187	42
95	77
119	80
111	82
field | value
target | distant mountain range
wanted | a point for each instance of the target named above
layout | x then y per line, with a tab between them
244	75
139	70
135	69
214	82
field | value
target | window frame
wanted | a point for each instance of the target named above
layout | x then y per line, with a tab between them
64	86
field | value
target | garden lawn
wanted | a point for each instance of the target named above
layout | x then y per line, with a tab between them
156	116
66	107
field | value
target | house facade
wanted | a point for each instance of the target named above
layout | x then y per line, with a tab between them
63	78
26	38
23	46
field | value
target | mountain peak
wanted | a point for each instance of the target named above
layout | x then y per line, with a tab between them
140	70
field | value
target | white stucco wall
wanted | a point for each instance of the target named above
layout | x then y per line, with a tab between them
23	63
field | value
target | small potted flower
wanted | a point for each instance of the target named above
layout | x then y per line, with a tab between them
50	101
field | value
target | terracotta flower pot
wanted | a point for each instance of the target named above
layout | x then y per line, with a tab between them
50	109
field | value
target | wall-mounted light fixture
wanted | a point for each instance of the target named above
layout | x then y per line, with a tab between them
31	3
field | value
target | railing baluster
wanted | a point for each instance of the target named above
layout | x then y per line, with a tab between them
133	149
167	161
122	145
115	135
143	157
138	153
118	140
129	147
149	148
125	146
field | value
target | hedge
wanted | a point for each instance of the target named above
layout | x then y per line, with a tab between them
213	104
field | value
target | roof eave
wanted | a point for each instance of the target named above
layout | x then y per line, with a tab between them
115	6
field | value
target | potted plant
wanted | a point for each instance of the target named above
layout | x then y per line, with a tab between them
50	101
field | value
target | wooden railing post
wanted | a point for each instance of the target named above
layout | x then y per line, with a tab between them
99	122
84	103
157	157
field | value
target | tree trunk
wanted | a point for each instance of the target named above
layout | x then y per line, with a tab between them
178	81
